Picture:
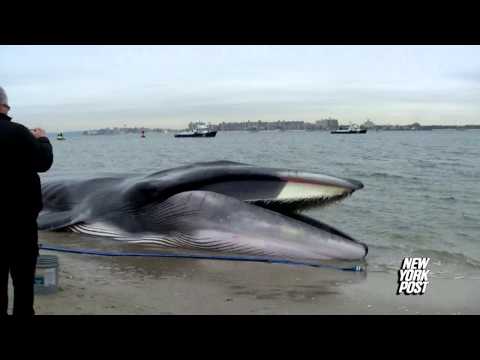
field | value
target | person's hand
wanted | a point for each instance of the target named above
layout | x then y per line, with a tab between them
38	133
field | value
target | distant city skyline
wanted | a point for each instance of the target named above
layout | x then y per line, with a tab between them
70	88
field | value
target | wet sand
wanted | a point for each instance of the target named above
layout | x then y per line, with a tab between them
130	285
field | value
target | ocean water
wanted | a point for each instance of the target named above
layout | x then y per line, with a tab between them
421	194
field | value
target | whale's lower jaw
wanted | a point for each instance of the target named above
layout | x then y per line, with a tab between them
225	245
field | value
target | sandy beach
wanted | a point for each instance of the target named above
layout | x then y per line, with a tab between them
157	286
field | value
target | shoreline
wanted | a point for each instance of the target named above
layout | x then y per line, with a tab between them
106	285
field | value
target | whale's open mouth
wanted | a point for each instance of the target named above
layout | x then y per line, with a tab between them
286	192
300	195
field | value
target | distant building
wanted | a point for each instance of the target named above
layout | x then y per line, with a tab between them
368	124
262	125
327	124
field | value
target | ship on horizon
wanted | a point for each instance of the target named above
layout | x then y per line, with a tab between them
199	129
351	129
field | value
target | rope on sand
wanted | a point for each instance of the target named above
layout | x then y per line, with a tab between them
355	268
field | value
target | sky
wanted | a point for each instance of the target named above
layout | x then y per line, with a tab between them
68	88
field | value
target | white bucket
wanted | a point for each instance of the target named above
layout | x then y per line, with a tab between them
46	274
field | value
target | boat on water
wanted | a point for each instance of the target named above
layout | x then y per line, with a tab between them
352	129
199	130
60	136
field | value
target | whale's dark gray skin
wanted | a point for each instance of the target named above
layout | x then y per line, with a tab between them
216	206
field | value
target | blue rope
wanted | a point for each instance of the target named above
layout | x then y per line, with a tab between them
204	257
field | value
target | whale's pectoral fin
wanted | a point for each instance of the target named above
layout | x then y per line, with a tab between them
55	220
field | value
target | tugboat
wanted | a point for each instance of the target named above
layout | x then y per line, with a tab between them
352	129
199	130
60	136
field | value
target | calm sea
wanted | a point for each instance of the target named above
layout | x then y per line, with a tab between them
421	195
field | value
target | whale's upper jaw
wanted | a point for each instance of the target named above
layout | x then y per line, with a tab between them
273	188
284	191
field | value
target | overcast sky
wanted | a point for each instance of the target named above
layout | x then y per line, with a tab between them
87	87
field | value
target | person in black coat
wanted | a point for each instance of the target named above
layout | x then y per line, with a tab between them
23	154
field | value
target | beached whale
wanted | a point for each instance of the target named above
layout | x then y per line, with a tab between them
220	206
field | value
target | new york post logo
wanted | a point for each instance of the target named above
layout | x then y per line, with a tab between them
413	276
